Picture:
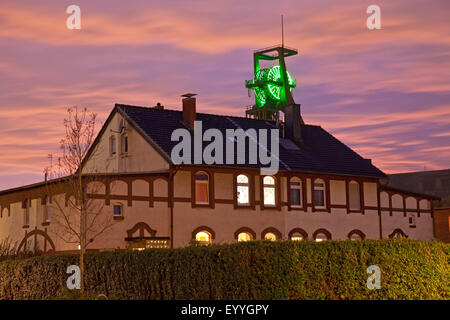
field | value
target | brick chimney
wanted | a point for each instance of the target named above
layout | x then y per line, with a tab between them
293	121
189	109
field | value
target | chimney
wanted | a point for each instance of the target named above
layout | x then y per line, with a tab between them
293	122
189	107
159	106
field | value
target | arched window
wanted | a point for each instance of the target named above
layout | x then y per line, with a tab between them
203	237
112	146
124	143
243	190
298	234
322	235
354	196
356	235
319	193
269	191
397	234
244	234
271	234
296	192
201	188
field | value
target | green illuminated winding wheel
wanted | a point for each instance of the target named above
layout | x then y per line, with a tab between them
269	86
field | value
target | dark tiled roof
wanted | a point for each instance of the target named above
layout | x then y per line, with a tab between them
322	152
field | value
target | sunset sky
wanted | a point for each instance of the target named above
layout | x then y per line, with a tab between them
385	93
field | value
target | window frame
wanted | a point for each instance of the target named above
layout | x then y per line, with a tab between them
300	190
121	215
299	231
357	232
124	144
26	204
269	186
246	230
351	195
208	188
112	145
243	184
324	232
322	188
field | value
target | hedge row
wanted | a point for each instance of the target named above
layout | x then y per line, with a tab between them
252	270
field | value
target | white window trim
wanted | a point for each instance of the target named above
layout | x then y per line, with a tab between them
243	184
323	189
202	182
299	187
270	186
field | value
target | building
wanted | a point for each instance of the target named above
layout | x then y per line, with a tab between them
322	189
436	183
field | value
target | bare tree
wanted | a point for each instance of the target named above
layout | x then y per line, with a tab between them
76	213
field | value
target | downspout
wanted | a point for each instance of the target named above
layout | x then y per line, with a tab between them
380	222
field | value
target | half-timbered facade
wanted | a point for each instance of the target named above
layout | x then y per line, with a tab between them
322	191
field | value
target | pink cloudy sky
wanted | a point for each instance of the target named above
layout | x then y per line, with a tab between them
385	93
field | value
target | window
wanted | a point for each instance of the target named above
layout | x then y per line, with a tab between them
354	196
397	234
203	237
112	146
47	209
297	236
321	235
412	221
118	210
269	191
270	236
244	236
124	143
201	188
296	192
319	194
356	235
26	207
243	194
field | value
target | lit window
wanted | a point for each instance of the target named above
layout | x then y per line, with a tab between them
203	237
201	188
118	210
124	143
319	194
269	191
242	190
297	236
47	209
321	237
112	146
296	192
244	236
354	196
270	236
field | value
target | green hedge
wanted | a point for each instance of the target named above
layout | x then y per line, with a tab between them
252	270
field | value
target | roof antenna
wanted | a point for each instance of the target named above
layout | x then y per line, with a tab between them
282	32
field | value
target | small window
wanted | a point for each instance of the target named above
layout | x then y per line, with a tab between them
26	207
321	237
354	196
203	237
270	236
118	210
112	146
269	191
297	236
243	193
355	237
47	209
296	192
319	194
244	236
201	188
124	143
412	220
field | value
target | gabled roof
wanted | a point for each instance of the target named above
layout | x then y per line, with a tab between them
322	153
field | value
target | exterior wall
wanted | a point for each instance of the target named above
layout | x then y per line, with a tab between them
442	224
140	158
